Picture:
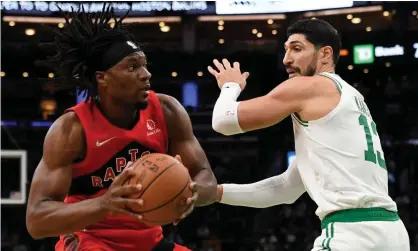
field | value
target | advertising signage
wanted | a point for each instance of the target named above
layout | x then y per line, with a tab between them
369	53
363	54
391	51
283	6
140	8
146	8
415	50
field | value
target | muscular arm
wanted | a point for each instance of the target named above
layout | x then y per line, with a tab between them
47	215
260	112
184	143
281	189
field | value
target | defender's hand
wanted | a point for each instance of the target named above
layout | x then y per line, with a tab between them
226	73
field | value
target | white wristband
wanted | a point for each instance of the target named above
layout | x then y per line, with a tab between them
230	91
225	112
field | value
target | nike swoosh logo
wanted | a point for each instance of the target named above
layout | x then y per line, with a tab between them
99	144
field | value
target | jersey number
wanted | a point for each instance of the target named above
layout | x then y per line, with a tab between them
369	154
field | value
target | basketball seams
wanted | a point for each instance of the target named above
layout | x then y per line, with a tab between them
167	202
137	177
150	178
140	161
155	178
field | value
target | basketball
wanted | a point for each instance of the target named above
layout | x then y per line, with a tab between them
165	188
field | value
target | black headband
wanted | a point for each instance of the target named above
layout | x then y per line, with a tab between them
116	52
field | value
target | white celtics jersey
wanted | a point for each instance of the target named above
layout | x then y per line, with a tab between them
340	158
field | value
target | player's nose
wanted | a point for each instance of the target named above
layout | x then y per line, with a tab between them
145	75
287	60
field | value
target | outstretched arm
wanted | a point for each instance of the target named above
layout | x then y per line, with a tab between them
281	189
184	143
232	117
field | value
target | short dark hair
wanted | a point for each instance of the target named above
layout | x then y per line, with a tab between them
319	33
79	46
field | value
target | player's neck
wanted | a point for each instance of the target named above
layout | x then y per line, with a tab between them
325	68
120	115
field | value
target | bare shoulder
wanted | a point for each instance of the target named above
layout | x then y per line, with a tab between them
170	105
322	98
177	120
306	86
65	140
324	85
67	126
164	98
295	88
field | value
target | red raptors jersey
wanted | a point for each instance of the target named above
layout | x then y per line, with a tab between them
109	148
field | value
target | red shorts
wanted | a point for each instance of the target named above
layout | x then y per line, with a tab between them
114	240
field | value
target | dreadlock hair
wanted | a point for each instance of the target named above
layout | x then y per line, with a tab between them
78	48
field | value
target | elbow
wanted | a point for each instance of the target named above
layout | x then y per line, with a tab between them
212	187
208	194
210	183
291	201
32	229
253	205
223	127
267	204
218	126
272	203
34	234
294	198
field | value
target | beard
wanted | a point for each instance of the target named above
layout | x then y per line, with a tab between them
311	69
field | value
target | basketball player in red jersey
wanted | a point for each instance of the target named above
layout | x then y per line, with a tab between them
77	191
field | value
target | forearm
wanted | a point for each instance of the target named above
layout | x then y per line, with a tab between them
225	113
206	184
262	194
54	218
282	189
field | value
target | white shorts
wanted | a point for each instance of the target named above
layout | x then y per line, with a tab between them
363	236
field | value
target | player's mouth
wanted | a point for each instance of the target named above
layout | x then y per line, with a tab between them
145	90
292	73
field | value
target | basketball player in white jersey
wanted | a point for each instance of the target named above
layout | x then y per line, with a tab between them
339	158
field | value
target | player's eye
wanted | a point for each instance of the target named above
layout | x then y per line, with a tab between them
132	67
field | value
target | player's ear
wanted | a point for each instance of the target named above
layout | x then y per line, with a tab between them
100	78
326	54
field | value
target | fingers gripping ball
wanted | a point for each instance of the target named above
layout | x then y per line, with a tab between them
165	188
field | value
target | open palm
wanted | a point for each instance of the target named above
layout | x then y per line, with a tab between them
226	73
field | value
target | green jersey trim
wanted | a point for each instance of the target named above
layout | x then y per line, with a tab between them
299	120
337	84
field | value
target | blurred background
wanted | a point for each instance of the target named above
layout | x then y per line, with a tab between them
379	57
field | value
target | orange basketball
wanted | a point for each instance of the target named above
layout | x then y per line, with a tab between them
165	188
